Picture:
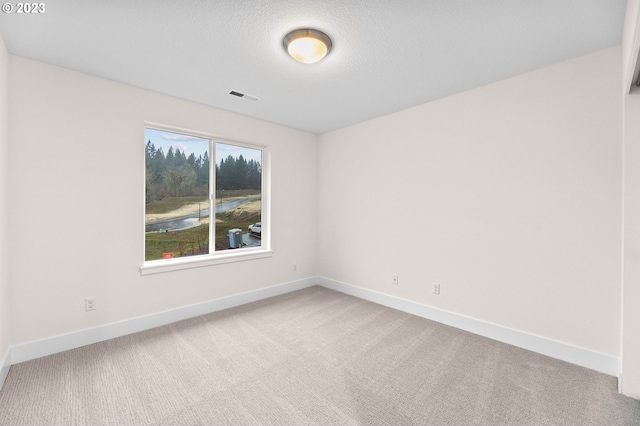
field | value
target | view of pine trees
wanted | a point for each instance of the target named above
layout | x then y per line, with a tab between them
238	173
175	174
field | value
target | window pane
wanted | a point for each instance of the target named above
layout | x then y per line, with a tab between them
238	197
177	174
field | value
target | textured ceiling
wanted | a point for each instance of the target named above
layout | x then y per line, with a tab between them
387	55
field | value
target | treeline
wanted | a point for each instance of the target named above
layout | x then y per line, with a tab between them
175	174
238	173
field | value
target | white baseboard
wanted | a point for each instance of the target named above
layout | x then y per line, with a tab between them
5	365
620	383
597	361
39	348
576	355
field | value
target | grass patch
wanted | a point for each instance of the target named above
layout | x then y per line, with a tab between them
188	242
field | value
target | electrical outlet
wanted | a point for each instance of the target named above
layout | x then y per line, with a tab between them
436	288
294	268
90	304
395	280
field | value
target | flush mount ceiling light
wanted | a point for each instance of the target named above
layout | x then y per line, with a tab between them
307	45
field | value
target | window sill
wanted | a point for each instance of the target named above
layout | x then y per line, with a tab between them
229	256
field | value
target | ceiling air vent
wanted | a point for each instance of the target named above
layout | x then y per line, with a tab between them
244	95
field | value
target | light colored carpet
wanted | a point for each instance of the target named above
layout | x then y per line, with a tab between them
314	356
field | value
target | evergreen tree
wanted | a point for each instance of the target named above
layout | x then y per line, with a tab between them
240	173
203	174
155	166
180	158
254	175
171	157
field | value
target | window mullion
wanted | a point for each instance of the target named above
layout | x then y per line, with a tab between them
212	196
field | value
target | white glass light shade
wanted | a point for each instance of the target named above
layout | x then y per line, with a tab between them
307	45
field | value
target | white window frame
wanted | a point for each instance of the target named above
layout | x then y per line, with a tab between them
222	256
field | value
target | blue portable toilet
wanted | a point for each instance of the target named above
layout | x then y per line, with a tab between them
235	238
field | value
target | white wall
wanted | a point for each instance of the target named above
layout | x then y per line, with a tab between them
631	291
77	202
4	205
508	195
631	302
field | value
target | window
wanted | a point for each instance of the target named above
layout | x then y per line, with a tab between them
204	200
